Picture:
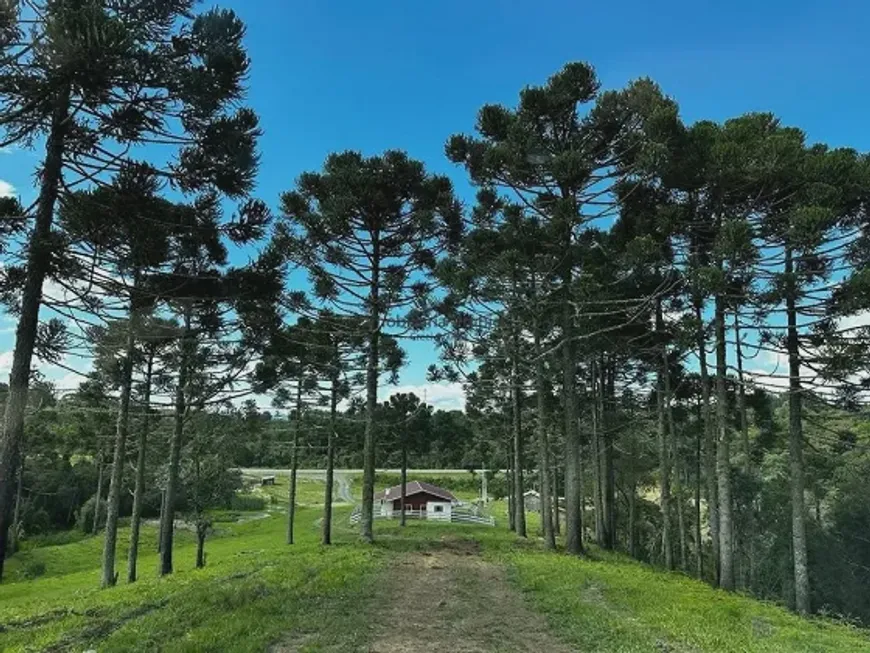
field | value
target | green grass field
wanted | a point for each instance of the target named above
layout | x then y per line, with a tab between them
253	589
256	591
309	492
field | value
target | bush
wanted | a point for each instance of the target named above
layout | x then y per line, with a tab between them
36	521
497	487
85	518
455	483
55	538
33	569
250	502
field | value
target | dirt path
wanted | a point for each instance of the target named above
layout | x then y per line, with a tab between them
450	599
343	484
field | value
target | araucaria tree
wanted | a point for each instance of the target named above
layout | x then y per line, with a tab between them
498	294
124	228
289	370
368	230
93	80
205	296
558	154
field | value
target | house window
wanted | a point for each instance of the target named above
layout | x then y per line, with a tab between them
439	508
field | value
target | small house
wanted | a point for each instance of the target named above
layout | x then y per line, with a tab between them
422	500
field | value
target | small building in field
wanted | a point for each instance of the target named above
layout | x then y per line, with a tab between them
422	500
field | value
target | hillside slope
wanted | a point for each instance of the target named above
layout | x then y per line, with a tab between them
486	593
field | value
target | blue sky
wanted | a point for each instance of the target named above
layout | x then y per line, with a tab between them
332	75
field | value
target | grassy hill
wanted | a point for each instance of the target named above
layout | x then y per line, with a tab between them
257	593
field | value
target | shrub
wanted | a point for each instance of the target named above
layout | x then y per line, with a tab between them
33	569
455	483
250	502
85	519
37	521
54	538
497	486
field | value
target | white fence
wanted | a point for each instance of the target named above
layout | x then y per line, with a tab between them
459	516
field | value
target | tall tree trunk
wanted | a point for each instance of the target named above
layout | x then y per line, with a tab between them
330	462
543	443
139	490
677	463
611	473
160	521
749	536
201	533
581	492
795	448
632	519
516	402
372	374
512	524
16	512
119	459
573	484
404	482
199	519
699	547
681	517
595	446
709	442
608	488
294	463
95	527
664	454
38	260
723	456
168	522
741	398
557	526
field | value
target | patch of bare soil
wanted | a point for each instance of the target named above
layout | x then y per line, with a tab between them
450	599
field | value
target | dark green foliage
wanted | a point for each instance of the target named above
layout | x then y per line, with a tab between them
85	517
368	230
466	483
33	569
247	502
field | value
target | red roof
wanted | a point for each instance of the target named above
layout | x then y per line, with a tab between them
414	487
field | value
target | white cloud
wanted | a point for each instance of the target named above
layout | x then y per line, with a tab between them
67	383
63	379
773	375
7	189
5	364
853	321
446	396
772	370
673	317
